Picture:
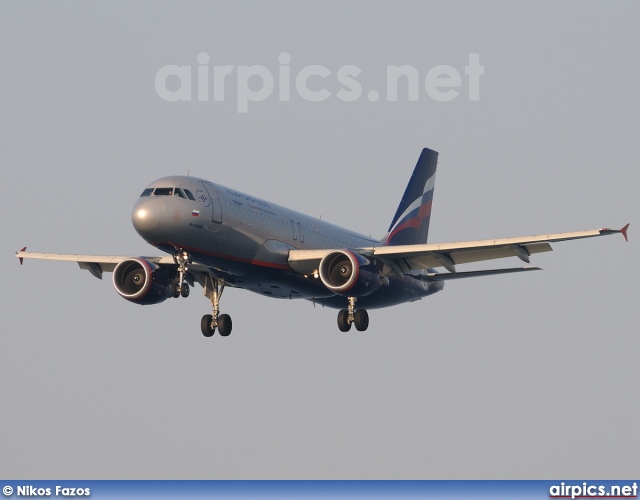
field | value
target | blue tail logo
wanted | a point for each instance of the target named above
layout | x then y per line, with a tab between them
410	225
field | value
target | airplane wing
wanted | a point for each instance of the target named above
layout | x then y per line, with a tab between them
97	264
403	259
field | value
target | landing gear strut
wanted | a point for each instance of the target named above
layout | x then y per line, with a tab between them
359	317
181	287
213	290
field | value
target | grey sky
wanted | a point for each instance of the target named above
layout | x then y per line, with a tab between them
523	376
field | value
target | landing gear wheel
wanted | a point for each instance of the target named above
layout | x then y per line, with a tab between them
206	325
343	320
176	290
224	325
185	290
213	288
361	320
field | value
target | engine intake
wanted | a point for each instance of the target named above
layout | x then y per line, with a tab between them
350	274
142	282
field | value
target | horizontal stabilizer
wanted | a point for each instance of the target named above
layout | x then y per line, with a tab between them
471	274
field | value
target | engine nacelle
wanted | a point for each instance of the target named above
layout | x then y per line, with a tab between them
142	282
349	274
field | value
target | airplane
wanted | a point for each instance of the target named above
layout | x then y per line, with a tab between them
217	237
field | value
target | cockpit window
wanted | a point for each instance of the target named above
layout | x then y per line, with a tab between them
169	191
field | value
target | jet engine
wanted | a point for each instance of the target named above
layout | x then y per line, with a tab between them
349	274
142	282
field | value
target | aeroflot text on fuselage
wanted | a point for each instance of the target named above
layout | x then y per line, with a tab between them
245	197
257	83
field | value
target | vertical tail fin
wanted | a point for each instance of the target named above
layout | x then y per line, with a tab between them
411	223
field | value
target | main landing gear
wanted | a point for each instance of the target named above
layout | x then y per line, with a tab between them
213	290
359	317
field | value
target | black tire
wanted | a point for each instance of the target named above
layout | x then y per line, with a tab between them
185	290
361	320
205	325
343	320
224	325
176	290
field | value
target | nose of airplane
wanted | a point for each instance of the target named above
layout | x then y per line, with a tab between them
148	217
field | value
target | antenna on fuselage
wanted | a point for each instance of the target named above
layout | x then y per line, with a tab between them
188	172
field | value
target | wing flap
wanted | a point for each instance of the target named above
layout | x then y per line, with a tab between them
471	274
467	256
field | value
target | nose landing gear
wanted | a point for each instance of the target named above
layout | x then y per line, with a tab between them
213	291
181	287
181	290
359	318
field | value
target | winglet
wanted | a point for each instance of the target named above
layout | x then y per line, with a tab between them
606	230
23	249
624	232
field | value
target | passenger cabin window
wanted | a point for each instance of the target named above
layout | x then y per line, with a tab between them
190	195
147	192
163	192
178	192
